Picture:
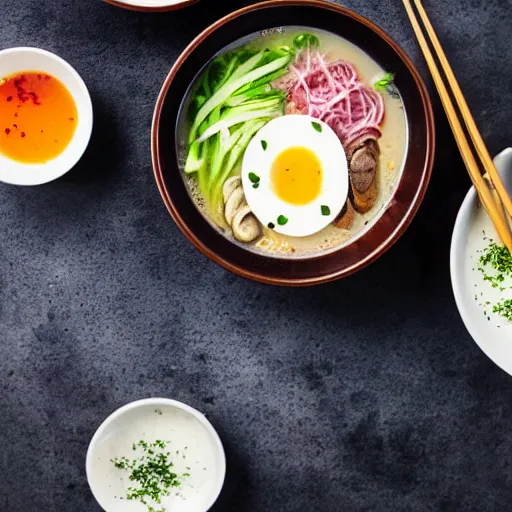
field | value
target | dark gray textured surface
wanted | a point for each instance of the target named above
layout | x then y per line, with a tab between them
365	394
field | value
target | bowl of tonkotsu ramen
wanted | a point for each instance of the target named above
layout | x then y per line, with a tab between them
293	142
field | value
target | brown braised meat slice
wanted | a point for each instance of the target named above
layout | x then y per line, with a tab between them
363	159
346	216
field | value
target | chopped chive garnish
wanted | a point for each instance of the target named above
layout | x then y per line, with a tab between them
317	127
256	185
495	264
151	474
254	177
264	145
271	225
325	210
384	82
504	309
282	220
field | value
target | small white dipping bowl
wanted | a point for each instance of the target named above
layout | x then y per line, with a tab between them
492	333
152	5
200	454
16	60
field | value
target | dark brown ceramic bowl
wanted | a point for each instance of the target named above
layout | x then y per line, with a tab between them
136	5
411	187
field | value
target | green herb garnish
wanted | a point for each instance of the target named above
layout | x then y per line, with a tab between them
494	280
271	225
384	82
151	474
317	127
495	264
504	309
325	210
264	145
498	257
254	177
256	185
306	40
282	220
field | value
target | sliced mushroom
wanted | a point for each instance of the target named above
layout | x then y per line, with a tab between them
235	201
346	216
363	166
230	185
246	227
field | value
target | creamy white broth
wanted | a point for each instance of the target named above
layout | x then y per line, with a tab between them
393	150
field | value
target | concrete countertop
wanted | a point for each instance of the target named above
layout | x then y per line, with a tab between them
364	394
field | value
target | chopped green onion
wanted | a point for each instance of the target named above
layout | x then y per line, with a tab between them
151	474
384	82
498	260
317	127
282	220
264	145
306	40
325	210
254	178
498	257
504	309
256	185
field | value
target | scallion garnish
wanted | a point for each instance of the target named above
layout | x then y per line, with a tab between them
496	266
498	257
151	474
384	82
504	309
305	40
325	210
254	177
317	127
282	220
264	145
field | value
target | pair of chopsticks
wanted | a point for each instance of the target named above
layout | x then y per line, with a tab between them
490	188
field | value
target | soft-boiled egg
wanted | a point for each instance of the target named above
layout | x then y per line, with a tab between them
295	175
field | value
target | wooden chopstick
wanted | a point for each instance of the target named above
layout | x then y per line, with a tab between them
478	142
490	202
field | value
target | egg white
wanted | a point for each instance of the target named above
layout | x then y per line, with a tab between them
283	133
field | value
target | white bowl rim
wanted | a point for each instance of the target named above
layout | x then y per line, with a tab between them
85	100
159	401
458	294
154	6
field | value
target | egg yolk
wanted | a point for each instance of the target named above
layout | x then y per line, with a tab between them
38	117
296	175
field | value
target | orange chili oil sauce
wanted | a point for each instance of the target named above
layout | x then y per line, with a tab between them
38	117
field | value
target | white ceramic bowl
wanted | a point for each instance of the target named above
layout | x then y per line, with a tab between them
190	433
492	333
152	5
15	60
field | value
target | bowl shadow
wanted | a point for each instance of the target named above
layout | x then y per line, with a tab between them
103	152
234	496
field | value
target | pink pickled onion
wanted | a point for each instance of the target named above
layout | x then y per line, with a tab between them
333	93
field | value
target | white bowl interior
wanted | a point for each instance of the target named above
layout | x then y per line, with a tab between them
152	3
492	333
16	60
200	454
